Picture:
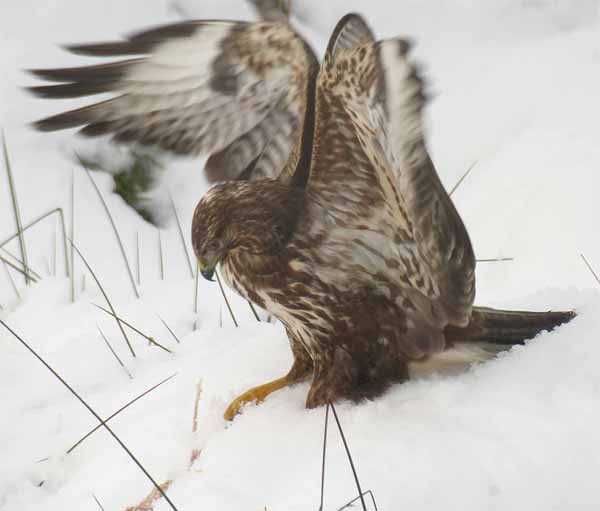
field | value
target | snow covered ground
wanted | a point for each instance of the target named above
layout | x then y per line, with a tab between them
516	89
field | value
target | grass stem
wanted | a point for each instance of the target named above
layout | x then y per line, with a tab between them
98	502
137	258
114	353
72	278
129	325
463	177
105	297
114	227
124	407
226	300
58	211
10	279
498	259
181	236
196	298
590	268
33	275
254	311
339	425
16	211
169	329
93	412
54	250
160	256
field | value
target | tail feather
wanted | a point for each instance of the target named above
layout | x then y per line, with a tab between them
489	332
505	327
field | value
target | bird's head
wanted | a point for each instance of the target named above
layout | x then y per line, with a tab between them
255	218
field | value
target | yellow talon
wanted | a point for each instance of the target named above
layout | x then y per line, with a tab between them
256	395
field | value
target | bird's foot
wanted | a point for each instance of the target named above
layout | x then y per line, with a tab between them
256	395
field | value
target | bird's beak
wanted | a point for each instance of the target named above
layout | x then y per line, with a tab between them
207	271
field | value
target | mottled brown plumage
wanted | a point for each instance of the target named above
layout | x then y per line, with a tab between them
337	224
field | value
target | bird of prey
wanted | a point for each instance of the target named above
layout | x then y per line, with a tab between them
328	213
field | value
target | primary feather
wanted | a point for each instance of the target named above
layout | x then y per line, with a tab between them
237	90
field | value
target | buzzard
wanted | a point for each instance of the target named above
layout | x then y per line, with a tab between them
328	213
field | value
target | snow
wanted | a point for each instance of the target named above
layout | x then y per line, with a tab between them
515	89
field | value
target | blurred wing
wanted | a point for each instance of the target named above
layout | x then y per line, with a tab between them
236	90
372	172
272	10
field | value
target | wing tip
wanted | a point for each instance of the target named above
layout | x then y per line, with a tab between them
360	23
110	49
43	125
44	74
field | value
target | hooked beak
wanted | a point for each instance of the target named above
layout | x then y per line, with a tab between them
207	271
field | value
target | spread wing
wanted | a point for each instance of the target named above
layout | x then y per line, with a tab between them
272	10
388	212
234	90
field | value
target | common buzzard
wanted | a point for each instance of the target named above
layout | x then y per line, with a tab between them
332	216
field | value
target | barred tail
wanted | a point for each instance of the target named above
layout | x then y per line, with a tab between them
489	332
505	327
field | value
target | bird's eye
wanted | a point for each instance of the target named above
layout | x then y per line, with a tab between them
214	245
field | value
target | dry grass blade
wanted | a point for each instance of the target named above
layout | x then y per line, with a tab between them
273	10
72	237
98	502
590	268
64	235
160	256
196	298
179	10
47	266
325	430
93	412
494	260
129	325
105	297
10	279
54	249
181	236
349	504
137	258
58	211
114	227
16	268
254	311
463	177
114	353
33	275
169	329
124	407
226	300
339	425
16	210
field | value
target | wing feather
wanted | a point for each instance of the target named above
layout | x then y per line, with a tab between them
199	87
390	216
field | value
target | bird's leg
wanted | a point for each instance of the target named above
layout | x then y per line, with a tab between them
325	386
301	368
362	373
